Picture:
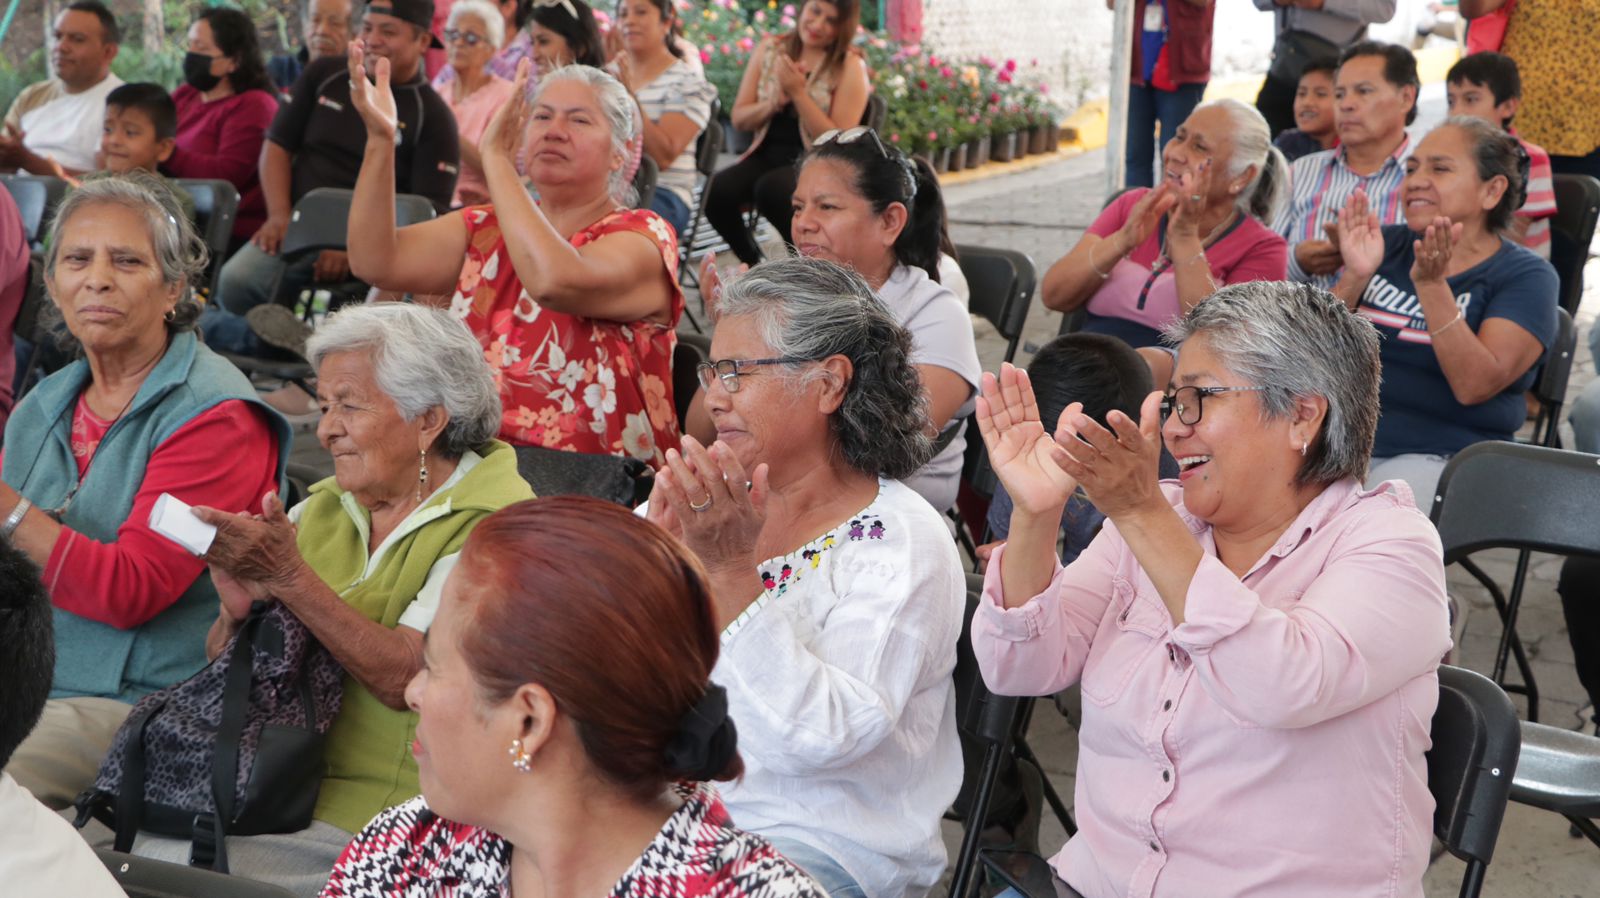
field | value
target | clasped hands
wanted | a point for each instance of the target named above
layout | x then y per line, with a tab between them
252	557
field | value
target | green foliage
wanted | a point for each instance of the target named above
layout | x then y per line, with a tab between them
13	77
163	67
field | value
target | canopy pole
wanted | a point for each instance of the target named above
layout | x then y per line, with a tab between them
1117	118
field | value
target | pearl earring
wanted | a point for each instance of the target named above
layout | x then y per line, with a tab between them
520	759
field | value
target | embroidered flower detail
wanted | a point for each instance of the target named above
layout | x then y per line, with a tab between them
571	376
523	418
548	416
601	394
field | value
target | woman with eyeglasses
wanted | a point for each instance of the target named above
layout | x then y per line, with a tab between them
837	589
475	29
1257	642
674	99
1153	254
515	43
145	411
868	207
575	296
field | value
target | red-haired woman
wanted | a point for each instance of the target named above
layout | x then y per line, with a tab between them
797	87
567	721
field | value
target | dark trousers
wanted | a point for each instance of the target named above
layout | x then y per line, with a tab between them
766	179
1276	104
1579	587
1149	107
1576	165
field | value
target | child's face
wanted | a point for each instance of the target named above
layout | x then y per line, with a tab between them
1477	101
1313	103
129	141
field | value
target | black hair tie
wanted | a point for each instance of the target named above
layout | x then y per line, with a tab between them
706	739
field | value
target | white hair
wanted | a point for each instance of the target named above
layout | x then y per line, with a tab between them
493	22
1252	145
621	114
422	358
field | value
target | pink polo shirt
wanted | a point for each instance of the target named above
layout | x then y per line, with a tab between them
1270	745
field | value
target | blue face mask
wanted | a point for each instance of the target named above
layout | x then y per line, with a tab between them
197	72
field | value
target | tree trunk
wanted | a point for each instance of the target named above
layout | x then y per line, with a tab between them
154	28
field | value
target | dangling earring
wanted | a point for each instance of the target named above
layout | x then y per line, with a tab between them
1303	448
422	473
520	759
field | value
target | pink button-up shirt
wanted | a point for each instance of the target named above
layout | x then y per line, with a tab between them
1270	745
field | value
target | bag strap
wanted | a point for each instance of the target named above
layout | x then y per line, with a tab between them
225	750
130	792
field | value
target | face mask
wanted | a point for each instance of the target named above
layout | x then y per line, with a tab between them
197	72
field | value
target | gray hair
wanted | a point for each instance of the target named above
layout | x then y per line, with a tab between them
421	358
1252	145
493	22
180	253
812	309
1298	341
621	114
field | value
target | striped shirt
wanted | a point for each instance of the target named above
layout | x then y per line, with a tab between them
1319	185
1540	206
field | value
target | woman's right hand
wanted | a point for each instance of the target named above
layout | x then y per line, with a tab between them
711	282
1360	237
1144	218
237	595
503	136
791	75
1022	452
374	102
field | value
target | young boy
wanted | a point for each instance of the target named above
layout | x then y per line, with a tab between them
1313	112
141	128
1487	86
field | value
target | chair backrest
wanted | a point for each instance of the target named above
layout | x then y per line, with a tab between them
34	300
1571	231
36	198
321	219
1002	283
216	203
644	181
1476	740
686	357
144	878
982	718
708	146
1509	495
1551	386
876	113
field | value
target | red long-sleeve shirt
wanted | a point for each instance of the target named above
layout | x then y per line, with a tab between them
222	139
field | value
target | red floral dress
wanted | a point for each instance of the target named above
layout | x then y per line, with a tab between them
569	382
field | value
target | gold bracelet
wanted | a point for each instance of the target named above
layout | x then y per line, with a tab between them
1104	275
1460	314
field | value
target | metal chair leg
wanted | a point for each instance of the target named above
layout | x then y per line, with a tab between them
1510	642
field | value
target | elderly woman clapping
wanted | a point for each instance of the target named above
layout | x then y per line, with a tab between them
1258	638
409	413
92	448
837	588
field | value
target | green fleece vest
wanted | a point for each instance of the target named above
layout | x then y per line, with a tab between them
95	659
370	766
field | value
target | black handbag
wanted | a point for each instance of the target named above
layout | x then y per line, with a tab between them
1294	50
235	749
614	478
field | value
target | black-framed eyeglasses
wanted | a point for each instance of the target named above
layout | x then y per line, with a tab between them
451	35
1186	401
728	370
851	135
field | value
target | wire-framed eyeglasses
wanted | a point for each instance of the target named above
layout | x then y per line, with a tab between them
729	370
1186	401
451	35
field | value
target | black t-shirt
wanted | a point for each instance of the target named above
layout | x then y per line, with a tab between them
322	130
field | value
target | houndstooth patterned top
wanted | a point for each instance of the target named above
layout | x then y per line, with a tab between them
410	852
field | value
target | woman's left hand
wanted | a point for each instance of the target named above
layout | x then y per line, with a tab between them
1432	253
791	75
716	514
1118	469
1191	191
258	549
374	102
503	136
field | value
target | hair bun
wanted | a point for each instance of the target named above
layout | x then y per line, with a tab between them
706	739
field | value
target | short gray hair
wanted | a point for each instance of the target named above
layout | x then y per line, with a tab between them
180	252
1298	341
422	357
1252	145
493	22
812	309
621	114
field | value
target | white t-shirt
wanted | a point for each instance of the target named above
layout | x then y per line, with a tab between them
67	127
839	677
941	335
679	89
41	854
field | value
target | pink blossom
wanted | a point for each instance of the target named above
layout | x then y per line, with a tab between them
705	55
1011	65
727	50
994	99
760	16
944	71
932	59
1005	77
972	119
788	9
922	84
894	138
746	44
933	135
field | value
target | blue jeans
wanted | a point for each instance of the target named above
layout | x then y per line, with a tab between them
670	206
824	869
1148	107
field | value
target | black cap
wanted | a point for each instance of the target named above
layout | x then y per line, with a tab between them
417	12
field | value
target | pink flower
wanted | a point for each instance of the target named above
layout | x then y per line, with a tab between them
705	55
994	99
933	135
760	16
1011	65
1005	77
972	119
788	9
746	44
894	138
944	71
932	59
727	50
922	83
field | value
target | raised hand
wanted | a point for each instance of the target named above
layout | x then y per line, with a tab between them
1023	454
374	102
711	282
503	136
1119	468
791	75
1360	243
717	515
1189	201
1144	217
254	548
1433	252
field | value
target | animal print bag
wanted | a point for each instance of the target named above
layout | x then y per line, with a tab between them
235	749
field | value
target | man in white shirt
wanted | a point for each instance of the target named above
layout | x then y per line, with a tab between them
53	127
40	852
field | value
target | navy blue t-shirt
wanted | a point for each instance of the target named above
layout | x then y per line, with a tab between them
1417	411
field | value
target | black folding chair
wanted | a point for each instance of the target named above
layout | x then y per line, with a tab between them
37	198
1529	498
1571	232
1073	321
1470	769
1002	283
216	203
29	326
686	358
1550	388
876	113
707	149
1476	739
1560	772
144	878
644	182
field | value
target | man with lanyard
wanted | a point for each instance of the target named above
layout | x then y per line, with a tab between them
1375	96
1307	30
318	140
